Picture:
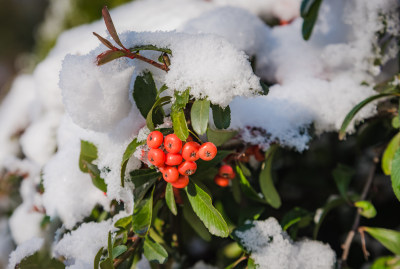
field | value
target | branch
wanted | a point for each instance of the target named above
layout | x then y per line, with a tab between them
350	236
136	240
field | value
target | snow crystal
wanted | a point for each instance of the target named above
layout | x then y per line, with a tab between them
26	249
81	245
271	247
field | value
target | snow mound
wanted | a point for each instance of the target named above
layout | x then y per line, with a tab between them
271	248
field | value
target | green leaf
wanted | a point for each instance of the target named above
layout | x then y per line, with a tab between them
388	155
123	222
181	99
118	250
94	173
221	117
149	47
309	12
40	260
264	87
150	119
199	115
195	222
108	56
130	149
387	262
266	182
170	199
107	264
342	175
179	123
154	252
145	94
247	188
202	205
389	238
97	258
143	179
236	191
358	107
142	215
395	175
109	245
88	155
298	216
219	137
251	264
366	209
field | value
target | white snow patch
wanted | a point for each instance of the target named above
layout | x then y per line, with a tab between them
272	248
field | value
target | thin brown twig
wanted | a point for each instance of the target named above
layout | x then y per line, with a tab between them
350	236
136	240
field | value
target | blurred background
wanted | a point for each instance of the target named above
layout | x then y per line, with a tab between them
29	28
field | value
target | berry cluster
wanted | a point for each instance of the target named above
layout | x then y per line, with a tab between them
225	174
177	163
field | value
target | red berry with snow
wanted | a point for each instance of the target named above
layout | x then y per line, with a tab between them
170	174
207	151
187	168
155	139
172	143
156	157
190	151
173	159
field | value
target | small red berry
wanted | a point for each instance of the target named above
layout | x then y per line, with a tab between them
182	182
170	174
172	143
187	168
156	157
226	171
207	151
173	159
190	151
155	139
221	181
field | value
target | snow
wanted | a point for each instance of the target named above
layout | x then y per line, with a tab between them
80	246
24	250
68	98
271	247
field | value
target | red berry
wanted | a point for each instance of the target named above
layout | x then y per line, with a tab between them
226	171
221	181
207	151
173	159
187	168
172	143
155	139
190	151
156	157
181	182
170	174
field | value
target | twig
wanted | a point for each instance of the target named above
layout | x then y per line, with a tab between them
350	236
136	240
